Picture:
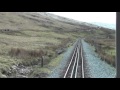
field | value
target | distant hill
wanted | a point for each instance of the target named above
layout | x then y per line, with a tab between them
110	26
39	21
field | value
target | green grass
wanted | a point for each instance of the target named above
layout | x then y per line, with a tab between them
45	34
47	68
55	62
111	52
37	70
6	62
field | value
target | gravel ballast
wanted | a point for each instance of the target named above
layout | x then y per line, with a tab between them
97	68
56	72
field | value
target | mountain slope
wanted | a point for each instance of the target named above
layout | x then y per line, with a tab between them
24	20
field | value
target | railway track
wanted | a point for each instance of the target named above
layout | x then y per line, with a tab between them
75	69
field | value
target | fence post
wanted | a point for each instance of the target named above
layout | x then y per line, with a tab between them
42	63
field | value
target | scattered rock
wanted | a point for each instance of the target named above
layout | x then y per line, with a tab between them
21	66
3	76
20	71
21	76
25	71
14	67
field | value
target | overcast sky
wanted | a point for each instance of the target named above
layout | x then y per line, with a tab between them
103	17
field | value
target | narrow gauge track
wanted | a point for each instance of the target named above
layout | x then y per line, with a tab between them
75	68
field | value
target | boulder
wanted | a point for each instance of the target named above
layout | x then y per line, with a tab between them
60	51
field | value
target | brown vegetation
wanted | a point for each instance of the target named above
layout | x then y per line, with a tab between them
25	54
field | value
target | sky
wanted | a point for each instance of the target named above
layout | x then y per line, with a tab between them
102	17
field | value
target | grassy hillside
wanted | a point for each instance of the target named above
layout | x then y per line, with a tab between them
105	44
26	37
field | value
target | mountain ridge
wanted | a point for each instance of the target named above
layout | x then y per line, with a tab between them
106	25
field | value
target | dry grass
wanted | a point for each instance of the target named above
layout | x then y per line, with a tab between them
26	54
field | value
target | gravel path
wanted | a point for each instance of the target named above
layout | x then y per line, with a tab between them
96	67
56	72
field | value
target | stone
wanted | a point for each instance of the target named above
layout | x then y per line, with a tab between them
21	76
4	76
14	67
24	71
60	51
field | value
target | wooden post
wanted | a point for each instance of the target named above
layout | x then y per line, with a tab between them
42	63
